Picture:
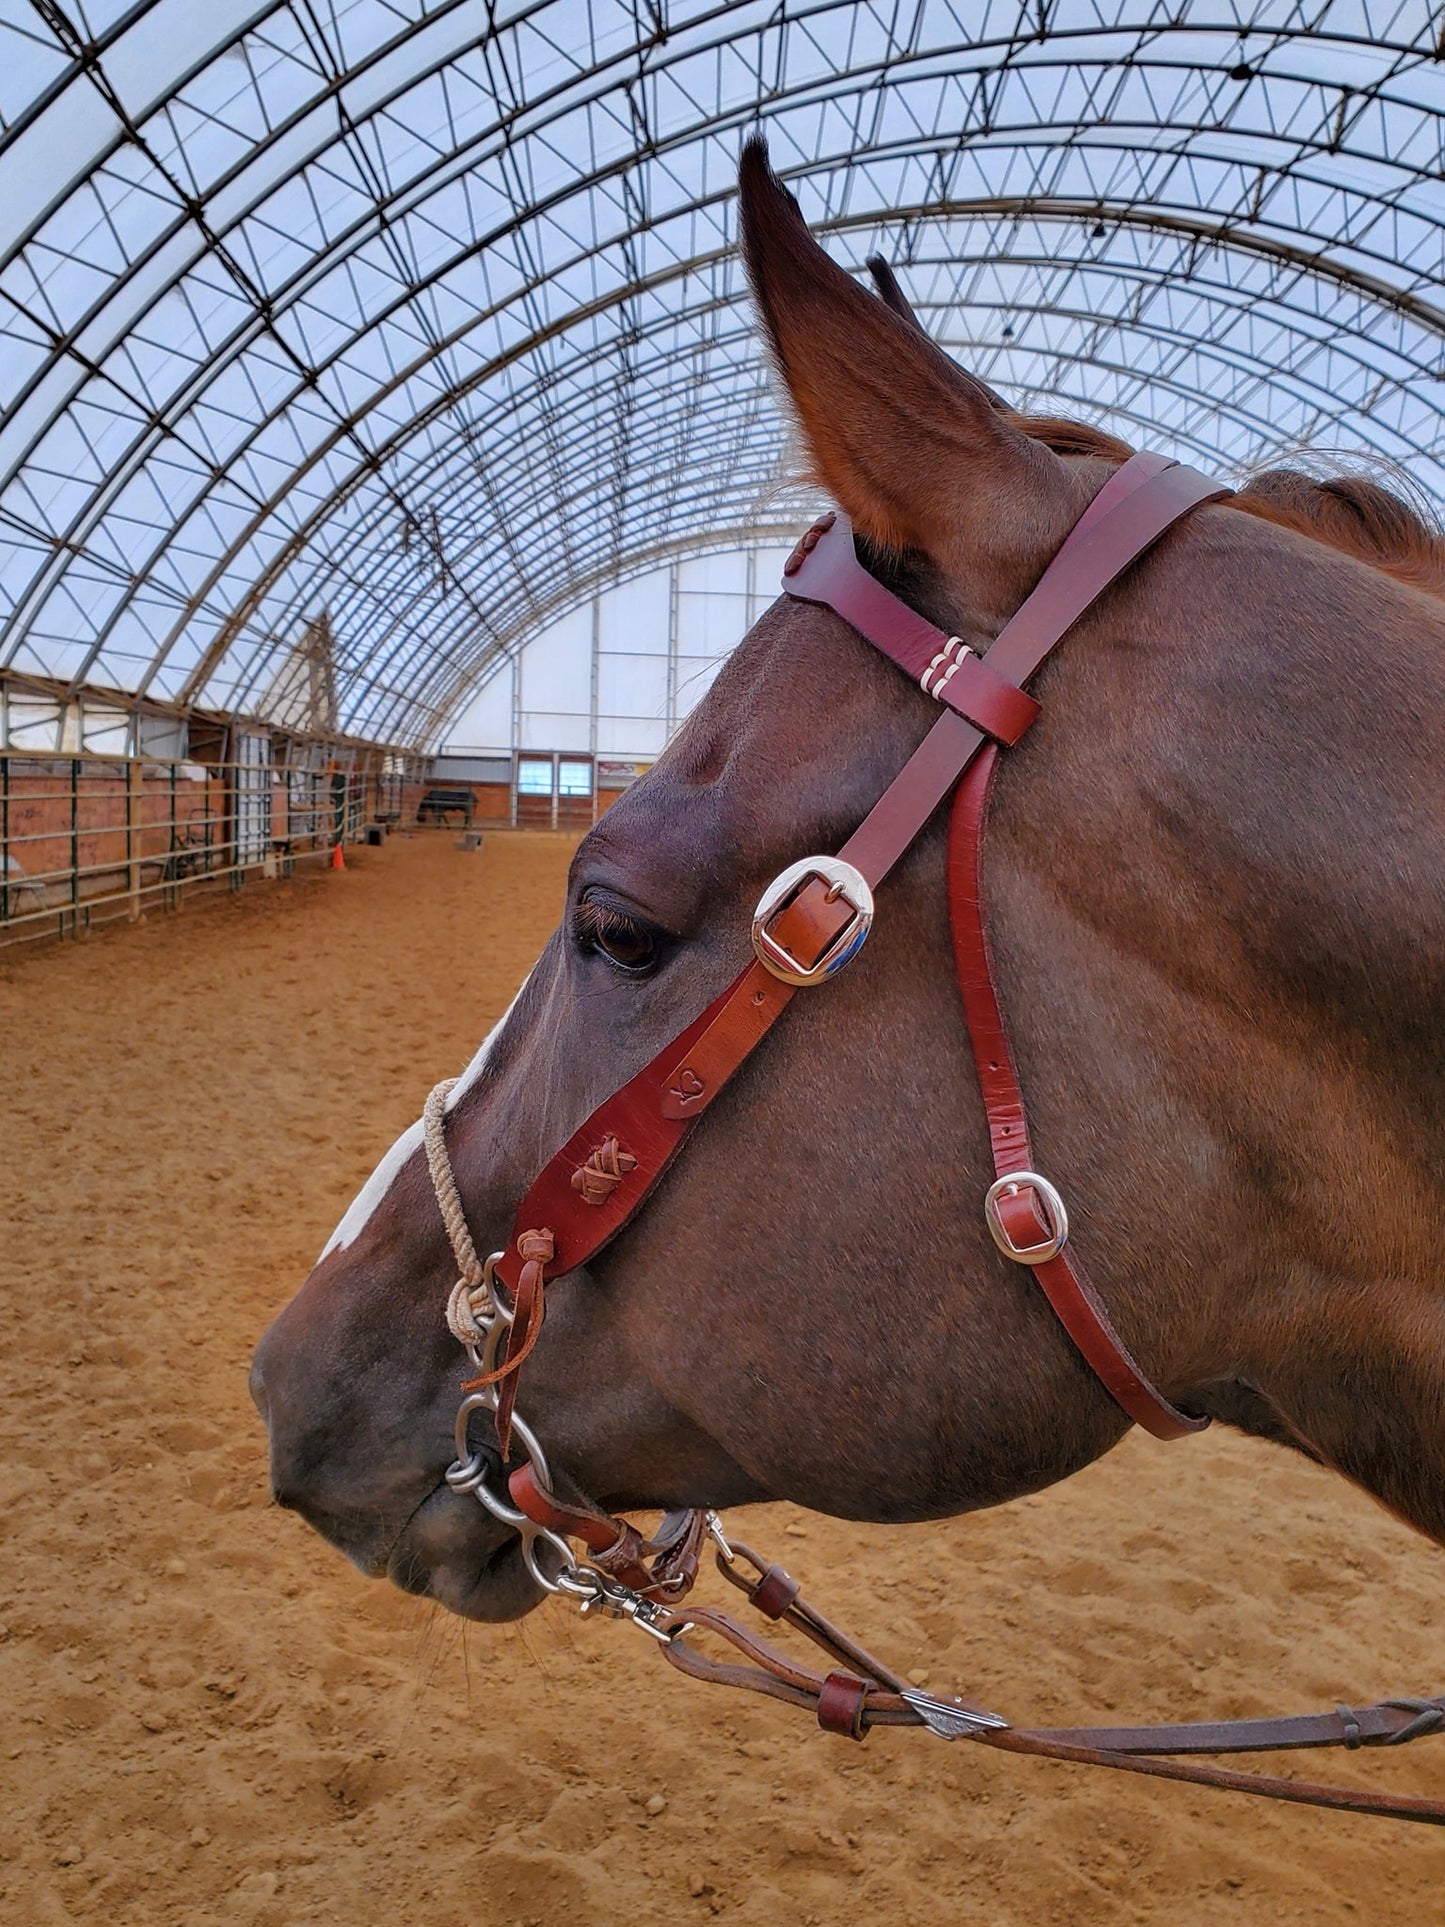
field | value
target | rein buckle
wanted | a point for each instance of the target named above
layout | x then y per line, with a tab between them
1051	1205
845	884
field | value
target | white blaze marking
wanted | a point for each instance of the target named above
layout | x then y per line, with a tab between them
484	1050
358	1215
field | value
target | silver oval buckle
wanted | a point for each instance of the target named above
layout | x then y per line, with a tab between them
1010	1183
843	882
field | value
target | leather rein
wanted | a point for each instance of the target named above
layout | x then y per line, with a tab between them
811	921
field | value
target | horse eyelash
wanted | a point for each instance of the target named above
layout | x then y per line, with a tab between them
592	921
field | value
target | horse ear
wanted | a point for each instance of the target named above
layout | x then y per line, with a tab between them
890	293
906	442
886	287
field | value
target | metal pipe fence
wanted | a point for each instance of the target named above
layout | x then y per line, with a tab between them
89	840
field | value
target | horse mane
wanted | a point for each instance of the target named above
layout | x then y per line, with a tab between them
1356	515
1348	512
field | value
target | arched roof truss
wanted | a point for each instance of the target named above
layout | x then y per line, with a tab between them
428	314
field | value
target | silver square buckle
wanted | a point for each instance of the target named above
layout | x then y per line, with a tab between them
843	882
1009	1185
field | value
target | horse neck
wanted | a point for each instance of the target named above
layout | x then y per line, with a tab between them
1260	884
1332	828
1292	763
1355	931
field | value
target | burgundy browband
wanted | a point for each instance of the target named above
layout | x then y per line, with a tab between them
815	916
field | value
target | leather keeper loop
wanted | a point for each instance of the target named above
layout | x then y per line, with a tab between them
623	1559
774	1592
841	1699
987	700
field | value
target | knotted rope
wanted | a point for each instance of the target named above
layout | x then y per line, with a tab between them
472	1306
471	1296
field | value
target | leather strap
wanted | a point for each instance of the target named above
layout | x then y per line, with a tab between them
1096	553
652	1114
1140	500
1024	1213
535	1250
617	1548
1391	1723
1135	506
861	1692
824	568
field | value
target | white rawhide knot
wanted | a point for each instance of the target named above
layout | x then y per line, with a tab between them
471	1296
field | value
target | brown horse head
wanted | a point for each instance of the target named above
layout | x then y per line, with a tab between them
1215	874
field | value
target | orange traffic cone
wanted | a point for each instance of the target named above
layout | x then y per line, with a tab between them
338	861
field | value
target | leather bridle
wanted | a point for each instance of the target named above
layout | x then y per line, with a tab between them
810	923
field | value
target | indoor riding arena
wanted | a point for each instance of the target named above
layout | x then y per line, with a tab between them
394	450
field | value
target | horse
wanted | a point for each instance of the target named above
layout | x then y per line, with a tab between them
1214	872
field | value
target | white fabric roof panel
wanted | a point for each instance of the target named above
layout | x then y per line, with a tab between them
427	315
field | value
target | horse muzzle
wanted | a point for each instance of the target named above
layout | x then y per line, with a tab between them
380	1495
451	1552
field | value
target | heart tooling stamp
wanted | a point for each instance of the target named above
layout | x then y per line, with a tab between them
689	1088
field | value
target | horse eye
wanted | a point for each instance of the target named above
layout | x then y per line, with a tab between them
627	945
624	942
